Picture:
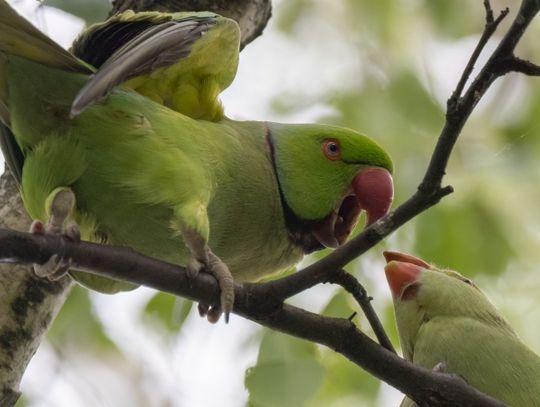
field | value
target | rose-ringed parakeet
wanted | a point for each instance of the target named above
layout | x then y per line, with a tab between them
126	137
442	317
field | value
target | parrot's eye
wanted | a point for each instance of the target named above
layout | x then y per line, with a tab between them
467	281
331	149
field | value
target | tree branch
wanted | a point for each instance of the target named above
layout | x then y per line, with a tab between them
359	293
251	15
251	302
28	304
263	303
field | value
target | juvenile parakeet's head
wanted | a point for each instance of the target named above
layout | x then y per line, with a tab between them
422	292
327	175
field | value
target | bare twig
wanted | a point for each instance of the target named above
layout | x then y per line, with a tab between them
357	290
489	29
516	64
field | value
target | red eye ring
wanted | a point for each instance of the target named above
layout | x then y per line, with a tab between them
331	149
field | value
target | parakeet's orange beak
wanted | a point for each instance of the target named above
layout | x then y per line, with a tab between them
402	272
405	258
372	191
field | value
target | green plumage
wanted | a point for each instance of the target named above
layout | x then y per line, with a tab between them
450	320
156	158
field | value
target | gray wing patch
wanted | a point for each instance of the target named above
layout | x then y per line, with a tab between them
158	46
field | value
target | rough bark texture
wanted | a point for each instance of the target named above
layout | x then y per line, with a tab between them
27	304
251	15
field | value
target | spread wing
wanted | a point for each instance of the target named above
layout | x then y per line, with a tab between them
181	60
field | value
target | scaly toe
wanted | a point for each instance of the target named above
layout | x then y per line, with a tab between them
193	267
73	233
53	269
37	228
226	283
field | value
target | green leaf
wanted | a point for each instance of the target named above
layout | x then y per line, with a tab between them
168	310
287	372
455	18
346	381
470	238
77	323
91	11
287	383
339	305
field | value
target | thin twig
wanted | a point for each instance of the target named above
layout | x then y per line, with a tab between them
523	66
489	28
357	290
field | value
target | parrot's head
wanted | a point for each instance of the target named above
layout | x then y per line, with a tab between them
327	175
422	292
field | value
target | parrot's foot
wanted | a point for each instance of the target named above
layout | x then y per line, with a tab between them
61	207
215	266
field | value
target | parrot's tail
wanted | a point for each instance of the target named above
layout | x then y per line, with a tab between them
19	37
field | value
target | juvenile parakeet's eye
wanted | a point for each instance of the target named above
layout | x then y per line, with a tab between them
331	149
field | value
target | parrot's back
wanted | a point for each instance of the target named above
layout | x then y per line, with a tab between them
133	163
489	357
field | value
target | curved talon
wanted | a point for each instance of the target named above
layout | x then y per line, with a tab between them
214	313
203	309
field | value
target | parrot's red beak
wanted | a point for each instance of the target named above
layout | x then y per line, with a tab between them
402	272
372	191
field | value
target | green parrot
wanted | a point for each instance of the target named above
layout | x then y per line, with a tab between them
126	138
442	317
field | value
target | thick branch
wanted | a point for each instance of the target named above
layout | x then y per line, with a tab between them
28	304
251	15
263	303
252	303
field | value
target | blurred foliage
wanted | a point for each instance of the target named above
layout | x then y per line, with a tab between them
169	311
91	11
287	372
405	57
77	323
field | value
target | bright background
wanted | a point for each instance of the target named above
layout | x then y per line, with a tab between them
385	68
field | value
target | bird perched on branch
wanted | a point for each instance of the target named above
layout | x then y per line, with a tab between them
443	318
125	137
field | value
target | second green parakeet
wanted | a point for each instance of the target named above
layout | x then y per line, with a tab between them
443	317
126	137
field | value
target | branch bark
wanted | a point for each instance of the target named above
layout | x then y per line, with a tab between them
251	15
264	303
28	304
258	303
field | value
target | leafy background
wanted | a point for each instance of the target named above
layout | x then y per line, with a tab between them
385	68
